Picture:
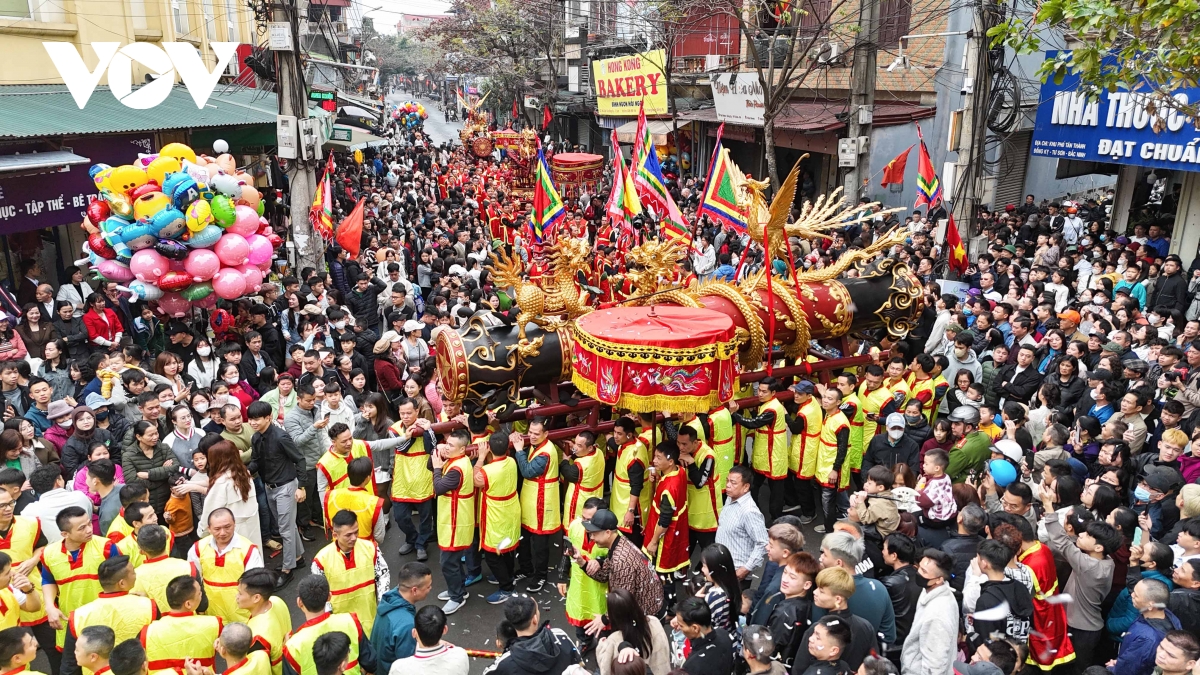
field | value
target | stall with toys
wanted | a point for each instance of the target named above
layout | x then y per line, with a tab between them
410	114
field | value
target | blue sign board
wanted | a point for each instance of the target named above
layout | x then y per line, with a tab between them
1120	127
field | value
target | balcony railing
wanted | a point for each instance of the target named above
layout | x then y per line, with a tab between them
704	63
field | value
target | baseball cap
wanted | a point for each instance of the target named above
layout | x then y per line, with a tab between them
1111	347
602	521
895	420
1100	375
954	328
803	387
1070	315
1163	478
1122	240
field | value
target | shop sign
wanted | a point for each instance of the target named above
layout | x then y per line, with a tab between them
61	198
738	98
623	83
1120	127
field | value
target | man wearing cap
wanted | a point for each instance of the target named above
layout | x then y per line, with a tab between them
182	341
971	446
1068	322
1157	490
892	448
802	456
624	567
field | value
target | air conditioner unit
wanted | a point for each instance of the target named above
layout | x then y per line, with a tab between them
830	52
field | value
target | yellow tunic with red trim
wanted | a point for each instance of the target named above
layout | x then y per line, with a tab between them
827	455
351	580
456	508
154	575
334	466
770	456
270	630
591	484
179	636
1050	643
499	510
125	613
803	454
723	442
652	437
539	495
298	648
76	576
940	387
872	401
255	663
10	611
361	502
18	544
221	573
412	481
586	597
630	453
672	553
704	502
858	443
925	391
119	528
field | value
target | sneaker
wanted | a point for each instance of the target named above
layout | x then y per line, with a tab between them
791	509
306	535
536	586
444	596
422	555
471	581
491	579
806	519
452	606
820	528
520	576
406	549
498	598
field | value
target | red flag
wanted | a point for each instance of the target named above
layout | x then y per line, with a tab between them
546	117
894	171
516	114
957	255
349	231
929	188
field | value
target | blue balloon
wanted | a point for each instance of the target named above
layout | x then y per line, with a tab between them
172	181
205	238
186	192
169	223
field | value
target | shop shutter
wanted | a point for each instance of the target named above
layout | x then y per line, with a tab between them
1010	174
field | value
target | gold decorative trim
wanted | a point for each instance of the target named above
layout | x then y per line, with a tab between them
895	311
753	356
566	342
665	356
843	311
680	297
453	365
655	402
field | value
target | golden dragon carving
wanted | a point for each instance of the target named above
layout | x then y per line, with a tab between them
558	298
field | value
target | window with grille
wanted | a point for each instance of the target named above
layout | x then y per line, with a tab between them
180	11
233	27
894	17
210	18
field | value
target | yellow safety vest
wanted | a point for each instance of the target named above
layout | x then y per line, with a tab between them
723	443
270	630
916	387
179	636
539	495
591	484
803	452
362	502
828	452
858	444
632	452
499	510
938	381
221	574
456	509
586	597
351	580
704	504
298	648
255	663
78	582
10	613
125	613
119	528
652	437
702	433
19	543
770	444
412	481
154	575
871	401
334	466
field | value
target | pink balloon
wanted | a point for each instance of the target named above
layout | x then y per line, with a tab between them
174	305
245	221
148	265
113	270
260	249
229	283
232	249
209	301
201	264
253	277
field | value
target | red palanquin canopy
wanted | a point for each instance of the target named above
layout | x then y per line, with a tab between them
656	359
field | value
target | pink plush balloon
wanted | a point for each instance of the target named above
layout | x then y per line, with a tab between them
202	264
148	265
209	302
245	221
173	304
232	249
229	283
260	249
113	270
253	277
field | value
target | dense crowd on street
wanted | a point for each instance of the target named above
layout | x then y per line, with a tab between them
1012	488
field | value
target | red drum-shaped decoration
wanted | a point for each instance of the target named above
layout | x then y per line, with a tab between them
660	358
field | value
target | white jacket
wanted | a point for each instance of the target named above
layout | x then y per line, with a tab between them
932	642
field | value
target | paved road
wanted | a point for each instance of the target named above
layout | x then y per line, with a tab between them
436	126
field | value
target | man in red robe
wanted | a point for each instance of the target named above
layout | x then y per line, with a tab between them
1049	644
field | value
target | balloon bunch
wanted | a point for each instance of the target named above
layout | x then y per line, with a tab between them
179	228
410	114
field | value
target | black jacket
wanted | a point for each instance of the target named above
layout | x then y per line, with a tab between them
274	457
248	369
1070	393
1019	387
1171	292
75	334
272	343
711	654
1185	604
365	305
963	548
547	652
863	641
881	453
904	588
1020	612
919	432
789	621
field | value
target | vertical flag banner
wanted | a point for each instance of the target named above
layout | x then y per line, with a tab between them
720	188
321	214
547	205
349	231
956	254
623	203
929	188
894	171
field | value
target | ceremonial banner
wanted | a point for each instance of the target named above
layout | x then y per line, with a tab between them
929	189
623	83
349	231
894	171
720	189
954	245
623	203
321	213
547	205
652	188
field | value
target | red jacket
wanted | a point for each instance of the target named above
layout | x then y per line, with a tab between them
99	327
387	375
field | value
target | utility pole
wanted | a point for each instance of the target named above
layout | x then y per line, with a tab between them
292	93
968	168
862	98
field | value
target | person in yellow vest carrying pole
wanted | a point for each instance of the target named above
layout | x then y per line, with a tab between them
704	500
583	473
93	647
454	485
119	528
222	557
922	386
157	569
802	456
137	515
832	473
848	384
17	594
181	634
70	568
412	481
877	401
116	608
236	647
723	441
21	537
630	496
356	570
586	597
355	497
770	457
311	597
343	447
495	479
270	621
540	515
18	649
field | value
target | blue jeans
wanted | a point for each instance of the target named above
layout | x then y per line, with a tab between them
266	520
456	571
402	513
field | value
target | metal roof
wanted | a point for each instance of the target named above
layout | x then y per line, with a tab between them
814	117
49	110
